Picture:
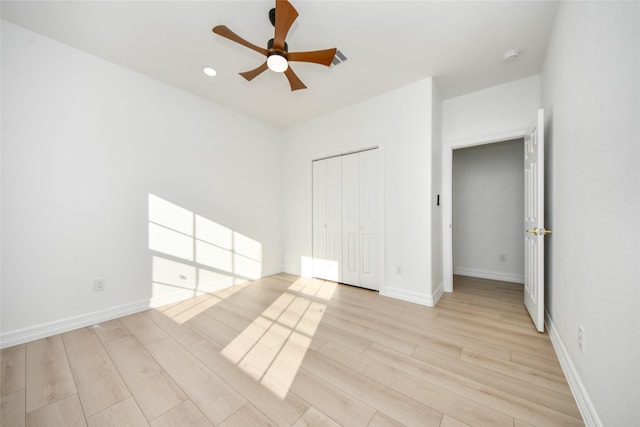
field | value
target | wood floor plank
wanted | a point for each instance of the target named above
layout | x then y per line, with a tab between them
154	391
538	362
12	370
111	330
335	403
215	398
125	413
248	415
283	412
315	418
528	374
98	381
382	420
331	333
386	400
481	388
48	375
12	409
64	412
447	421
184	415
424	387
213	329
143	328
182	333
369	333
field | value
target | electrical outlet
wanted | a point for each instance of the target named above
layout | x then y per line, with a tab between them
580	337
399	270
99	285
502	258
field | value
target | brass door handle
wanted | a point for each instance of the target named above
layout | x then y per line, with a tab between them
539	232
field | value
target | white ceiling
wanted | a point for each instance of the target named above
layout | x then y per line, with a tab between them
389	44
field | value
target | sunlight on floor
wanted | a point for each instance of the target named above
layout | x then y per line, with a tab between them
186	310
272	348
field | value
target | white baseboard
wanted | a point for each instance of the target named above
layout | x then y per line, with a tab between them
585	406
270	271
290	269
491	275
438	294
409	296
44	330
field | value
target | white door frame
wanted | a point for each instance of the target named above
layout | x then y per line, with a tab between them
447	195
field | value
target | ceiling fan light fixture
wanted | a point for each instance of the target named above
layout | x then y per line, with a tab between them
277	62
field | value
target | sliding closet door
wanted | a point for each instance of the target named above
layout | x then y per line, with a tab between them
351	219
327	219
333	264
319	217
360	219
369	219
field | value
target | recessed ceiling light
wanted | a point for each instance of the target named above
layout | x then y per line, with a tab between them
209	71
511	55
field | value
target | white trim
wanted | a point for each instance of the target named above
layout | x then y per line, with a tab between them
492	275
43	330
11	338
587	410
409	296
439	292
272	271
447	194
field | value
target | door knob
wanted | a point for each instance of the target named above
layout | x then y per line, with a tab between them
539	232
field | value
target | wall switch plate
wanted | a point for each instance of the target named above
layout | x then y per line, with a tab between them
99	285
399	270
502	258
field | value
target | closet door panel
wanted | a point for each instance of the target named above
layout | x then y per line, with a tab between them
368	207
333	259
351	219
319	222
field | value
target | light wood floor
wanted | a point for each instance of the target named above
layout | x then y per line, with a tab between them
287	351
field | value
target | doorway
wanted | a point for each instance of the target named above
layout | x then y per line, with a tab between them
488	210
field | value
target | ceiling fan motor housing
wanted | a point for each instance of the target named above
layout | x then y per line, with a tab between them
272	16
270	45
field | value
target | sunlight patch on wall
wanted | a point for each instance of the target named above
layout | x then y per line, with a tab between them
208	256
272	348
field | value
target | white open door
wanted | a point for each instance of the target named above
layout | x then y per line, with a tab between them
534	222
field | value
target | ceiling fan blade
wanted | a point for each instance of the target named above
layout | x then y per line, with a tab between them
285	15
252	74
294	81
224	31
323	57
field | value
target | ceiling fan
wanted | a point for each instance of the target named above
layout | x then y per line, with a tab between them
277	51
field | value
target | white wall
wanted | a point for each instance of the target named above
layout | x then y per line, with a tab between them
437	277
488	211
499	113
487	114
399	123
591	92
84	144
